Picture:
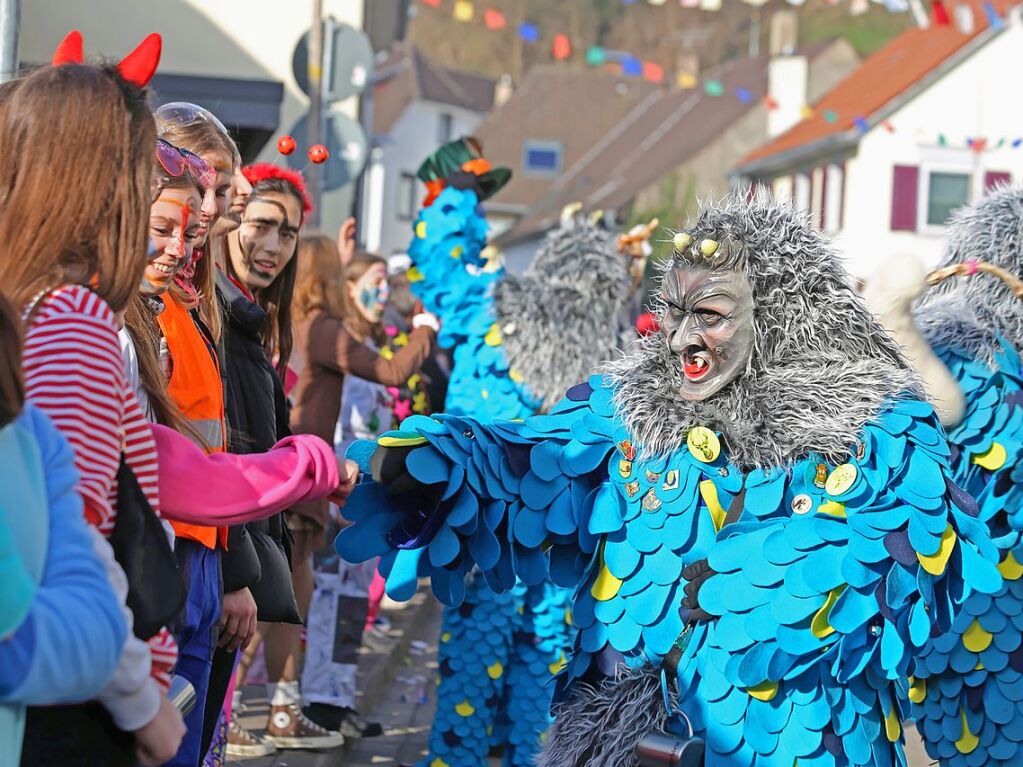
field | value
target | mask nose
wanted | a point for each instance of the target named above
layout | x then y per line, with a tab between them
684	336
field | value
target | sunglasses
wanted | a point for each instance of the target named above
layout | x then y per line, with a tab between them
175	161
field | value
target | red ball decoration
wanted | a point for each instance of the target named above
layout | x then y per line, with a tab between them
318	153
285	145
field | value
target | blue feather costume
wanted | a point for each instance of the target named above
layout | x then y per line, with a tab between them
839	566
967	686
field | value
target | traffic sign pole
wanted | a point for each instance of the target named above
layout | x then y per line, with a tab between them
314	125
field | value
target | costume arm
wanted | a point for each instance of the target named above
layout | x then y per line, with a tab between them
510	497
860	581
228	489
334	347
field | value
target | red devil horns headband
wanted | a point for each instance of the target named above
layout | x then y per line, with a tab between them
136	68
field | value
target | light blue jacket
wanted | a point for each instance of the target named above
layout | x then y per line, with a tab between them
61	628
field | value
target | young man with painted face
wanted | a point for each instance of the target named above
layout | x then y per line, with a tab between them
755	506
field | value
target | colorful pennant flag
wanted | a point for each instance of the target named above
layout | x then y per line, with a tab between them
529	32
653	72
861	124
992	16
831	116
940	14
770	104
561	48
596	56
433	3
714	88
744	95
464	10
632	66
686	80
494	19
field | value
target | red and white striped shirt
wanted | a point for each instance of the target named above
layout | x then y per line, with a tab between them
75	373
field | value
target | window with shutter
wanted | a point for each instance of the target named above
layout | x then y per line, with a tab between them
995	178
905	182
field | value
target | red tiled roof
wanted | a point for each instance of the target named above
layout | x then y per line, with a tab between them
903	62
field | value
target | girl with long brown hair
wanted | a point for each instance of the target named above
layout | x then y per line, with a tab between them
73	212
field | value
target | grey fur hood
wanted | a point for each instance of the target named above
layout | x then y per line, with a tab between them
821	366
970	313
568	313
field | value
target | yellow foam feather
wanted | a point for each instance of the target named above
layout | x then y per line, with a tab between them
819	625
557	665
1010	569
968	742
917	689
606	585
414	275
446	636
764	691
993	458
975	638
421	230
834	508
495	670
516	376
438	762
493	336
401	441
709	493
457	251
892	726
568	616
465	709
936	563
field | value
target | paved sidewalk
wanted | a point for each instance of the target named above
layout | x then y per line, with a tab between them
385	665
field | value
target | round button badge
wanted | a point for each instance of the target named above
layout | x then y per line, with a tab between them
841	479
802	504
703	444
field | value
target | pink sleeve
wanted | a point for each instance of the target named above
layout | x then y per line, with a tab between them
226	489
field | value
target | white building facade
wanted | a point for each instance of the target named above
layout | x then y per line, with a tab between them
888	185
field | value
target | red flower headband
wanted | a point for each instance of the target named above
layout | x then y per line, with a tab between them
261	171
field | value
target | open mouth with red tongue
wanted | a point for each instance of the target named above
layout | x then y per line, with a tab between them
695	362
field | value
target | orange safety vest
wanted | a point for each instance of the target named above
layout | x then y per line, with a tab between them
197	389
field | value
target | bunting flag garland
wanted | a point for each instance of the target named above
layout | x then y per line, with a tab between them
563	47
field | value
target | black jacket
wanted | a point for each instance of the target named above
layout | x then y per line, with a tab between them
259	553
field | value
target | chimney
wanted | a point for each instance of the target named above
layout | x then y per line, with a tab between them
503	90
787	74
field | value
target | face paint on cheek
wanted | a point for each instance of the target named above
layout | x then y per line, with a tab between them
185	214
